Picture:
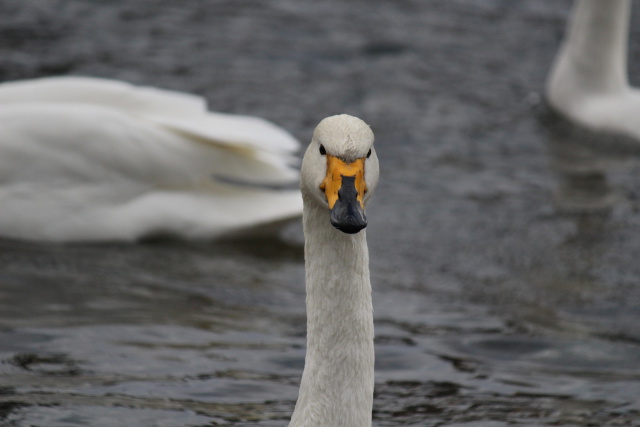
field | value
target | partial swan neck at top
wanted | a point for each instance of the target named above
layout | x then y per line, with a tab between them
594	53
337	382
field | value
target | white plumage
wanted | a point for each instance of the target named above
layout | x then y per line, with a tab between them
86	159
588	82
337	383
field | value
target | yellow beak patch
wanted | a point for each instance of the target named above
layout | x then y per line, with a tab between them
336	169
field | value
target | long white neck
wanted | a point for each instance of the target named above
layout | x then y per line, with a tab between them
593	56
337	382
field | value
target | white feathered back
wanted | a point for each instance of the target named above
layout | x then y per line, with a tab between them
86	159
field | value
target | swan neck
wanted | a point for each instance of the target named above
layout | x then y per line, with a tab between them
337	382
595	45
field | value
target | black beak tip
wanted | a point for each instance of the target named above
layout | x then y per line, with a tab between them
350	225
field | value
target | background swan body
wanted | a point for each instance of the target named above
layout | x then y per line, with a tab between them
588	81
337	383
92	159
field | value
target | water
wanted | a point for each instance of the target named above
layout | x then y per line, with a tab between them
503	241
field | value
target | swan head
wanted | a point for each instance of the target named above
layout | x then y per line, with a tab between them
340	171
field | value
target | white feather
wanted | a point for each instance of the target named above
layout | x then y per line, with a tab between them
94	159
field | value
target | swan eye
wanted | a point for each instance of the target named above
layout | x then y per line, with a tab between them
369	154
322	150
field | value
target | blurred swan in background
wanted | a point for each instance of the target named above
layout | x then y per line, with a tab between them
86	159
588	82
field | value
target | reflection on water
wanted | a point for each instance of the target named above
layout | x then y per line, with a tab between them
213	334
184	333
581	161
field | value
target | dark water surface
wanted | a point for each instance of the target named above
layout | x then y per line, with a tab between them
504	243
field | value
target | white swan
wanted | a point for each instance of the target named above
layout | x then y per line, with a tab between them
93	159
339	175
588	81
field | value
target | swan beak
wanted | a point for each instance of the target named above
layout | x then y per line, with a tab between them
344	187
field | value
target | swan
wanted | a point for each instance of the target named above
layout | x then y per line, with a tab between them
588	81
88	159
338	177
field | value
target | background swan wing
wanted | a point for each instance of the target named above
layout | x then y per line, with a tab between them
182	113
87	159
